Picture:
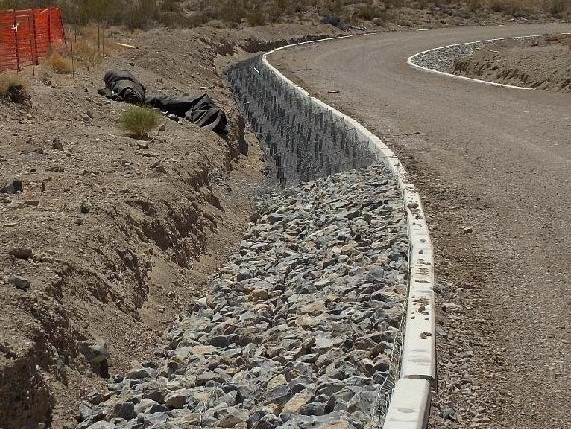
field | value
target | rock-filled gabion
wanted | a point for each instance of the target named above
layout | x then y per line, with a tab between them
302	139
299	329
443	59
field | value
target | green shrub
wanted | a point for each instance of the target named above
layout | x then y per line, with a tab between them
557	8
370	12
139	121
231	11
512	7
256	18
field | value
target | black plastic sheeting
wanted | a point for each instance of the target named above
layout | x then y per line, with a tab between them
122	85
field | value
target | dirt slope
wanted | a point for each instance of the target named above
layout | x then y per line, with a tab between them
115	236
492	167
541	63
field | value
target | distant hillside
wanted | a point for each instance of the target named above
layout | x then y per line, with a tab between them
192	13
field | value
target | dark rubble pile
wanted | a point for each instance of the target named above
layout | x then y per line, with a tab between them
299	328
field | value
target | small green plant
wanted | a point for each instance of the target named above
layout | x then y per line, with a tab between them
139	121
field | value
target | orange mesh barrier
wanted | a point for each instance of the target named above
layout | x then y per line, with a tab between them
27	35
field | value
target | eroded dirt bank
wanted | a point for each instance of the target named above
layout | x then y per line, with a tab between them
112	237
541	63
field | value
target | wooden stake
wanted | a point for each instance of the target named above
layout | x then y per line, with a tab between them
72	59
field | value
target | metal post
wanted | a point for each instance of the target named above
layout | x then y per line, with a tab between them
72	59
31	43
15	27
62	26
49	27
36	55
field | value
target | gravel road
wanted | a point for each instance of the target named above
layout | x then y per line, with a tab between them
492	165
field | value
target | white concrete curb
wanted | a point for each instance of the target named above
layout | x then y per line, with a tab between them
409	411
412	58
411	400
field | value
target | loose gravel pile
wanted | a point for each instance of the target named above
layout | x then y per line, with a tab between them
299	329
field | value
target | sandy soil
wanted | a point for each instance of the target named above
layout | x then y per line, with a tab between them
541	63
115	236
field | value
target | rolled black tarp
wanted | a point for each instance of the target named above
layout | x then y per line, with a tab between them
122	85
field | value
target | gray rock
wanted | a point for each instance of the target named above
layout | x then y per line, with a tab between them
146	404
243	274
85	411
268	421
277	331
155	394
363	401
21	252
123	410
57	144
18	282
221	341
278	395
313	409
102	425
139	373
232	417
96	352
12	187
177	399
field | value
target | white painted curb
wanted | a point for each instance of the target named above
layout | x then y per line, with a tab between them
409	411
418	363
412	58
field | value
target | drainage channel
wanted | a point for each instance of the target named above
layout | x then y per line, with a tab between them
303	327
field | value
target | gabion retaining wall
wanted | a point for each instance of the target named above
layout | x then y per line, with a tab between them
306	139
303	141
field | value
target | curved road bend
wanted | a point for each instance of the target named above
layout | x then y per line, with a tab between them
493	166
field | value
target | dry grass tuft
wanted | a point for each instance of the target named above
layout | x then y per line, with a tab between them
59	63
86	53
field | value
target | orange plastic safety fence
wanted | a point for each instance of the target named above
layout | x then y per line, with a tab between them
27	35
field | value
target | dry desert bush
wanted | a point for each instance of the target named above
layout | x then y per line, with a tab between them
59	63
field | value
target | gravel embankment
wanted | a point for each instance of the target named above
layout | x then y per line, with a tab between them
539	62
443	59
299	328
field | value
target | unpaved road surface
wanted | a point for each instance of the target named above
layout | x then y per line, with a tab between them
493	166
